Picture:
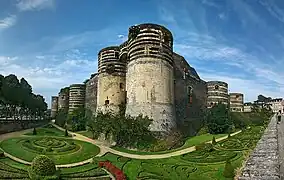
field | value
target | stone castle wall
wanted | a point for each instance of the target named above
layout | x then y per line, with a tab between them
91	94
54	106
190	96
217	91
76	96
263	163
111	80
150	76
12	126
63	99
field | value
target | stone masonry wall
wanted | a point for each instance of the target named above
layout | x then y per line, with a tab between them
263	163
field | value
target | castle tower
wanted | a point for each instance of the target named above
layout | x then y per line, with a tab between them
217	91
54	106
91	93
76	96
111	80
150	76
63	99
236	102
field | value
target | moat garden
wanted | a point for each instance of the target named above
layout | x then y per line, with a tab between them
82	160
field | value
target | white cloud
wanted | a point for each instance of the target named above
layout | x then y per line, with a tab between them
210	3
8	22
222	16
30	5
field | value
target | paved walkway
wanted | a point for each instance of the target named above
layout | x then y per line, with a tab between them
104	149
280	130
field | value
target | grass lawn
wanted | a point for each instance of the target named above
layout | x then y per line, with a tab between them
62	150
192	141
47	130
201	164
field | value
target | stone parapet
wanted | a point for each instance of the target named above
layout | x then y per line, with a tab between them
263	163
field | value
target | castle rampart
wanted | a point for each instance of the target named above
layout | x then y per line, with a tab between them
150	76
54	106
63	99
111	80
217	91
76	96
91	93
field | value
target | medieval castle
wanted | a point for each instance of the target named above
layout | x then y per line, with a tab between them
150	79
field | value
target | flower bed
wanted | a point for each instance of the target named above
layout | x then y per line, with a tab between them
119	175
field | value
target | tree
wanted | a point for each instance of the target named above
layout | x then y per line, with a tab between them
61	117
228	170
77	119
218	119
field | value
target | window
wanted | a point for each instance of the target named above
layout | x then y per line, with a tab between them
216	87
107	102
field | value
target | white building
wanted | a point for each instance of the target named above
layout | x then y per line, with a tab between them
276	105
247	107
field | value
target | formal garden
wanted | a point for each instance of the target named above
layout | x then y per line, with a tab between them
50	153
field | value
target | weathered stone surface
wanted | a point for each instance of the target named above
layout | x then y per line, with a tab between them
91	94
263	163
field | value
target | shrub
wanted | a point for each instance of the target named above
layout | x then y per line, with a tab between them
34	131
49	149
66	133
214	140
228	170
43	165
119	175
207	147
229	135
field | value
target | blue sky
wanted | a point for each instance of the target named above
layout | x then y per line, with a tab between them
55	43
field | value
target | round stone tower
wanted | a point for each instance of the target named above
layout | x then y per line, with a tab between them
150	76
217	91
63	99
111	80
236	102
76	96
54	106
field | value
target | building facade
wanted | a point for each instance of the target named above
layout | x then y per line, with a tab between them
276	105
217	92
247	107
236	102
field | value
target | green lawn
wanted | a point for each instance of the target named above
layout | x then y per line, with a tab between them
192	141
61	152
201	164
47	130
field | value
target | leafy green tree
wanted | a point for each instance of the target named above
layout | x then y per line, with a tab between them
218	119
61	117
77	119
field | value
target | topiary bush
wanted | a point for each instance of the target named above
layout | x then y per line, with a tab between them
34	131
66	133
43	168
228	170
214	140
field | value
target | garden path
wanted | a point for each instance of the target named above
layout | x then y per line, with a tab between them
104	149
